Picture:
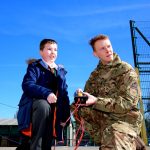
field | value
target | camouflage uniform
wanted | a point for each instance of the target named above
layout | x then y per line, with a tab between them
114	121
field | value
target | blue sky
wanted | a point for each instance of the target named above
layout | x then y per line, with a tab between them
23	24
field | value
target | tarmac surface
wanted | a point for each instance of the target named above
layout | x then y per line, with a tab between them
63	148
59	148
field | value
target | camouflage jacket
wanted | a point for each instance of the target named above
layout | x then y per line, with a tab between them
117	90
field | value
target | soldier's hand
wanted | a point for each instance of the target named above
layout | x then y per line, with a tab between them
91	99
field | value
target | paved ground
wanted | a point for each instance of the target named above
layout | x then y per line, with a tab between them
62	148
58	148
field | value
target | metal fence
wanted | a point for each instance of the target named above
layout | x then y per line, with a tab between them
140	35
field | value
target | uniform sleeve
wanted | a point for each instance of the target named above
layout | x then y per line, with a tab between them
125	99
30	86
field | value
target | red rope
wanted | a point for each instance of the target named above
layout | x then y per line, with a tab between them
81	127
81	122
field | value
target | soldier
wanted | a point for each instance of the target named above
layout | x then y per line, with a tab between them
111	115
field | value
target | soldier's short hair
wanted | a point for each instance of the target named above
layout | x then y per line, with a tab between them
45	41
96	38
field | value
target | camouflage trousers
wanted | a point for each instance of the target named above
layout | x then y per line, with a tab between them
108	135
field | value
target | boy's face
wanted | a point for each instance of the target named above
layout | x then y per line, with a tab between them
49	52
103	50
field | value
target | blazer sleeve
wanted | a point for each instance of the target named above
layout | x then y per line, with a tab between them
30	86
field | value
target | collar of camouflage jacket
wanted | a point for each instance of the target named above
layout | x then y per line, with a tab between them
116	61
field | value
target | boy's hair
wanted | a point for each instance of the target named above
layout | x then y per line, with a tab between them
96	38
45	41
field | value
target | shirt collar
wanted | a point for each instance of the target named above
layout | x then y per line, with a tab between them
52	65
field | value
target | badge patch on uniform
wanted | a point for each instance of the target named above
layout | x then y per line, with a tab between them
134	89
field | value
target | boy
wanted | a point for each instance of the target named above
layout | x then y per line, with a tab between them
45	98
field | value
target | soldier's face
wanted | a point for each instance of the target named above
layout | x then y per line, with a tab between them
103	50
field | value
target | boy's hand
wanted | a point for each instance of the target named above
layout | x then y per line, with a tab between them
52	98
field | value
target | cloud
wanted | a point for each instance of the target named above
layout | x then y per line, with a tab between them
69	23
11	65
89	11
